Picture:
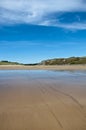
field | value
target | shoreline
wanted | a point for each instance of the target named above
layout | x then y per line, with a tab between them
43	67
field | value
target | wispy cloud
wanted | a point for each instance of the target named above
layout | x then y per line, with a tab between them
71	26
18	43
38	11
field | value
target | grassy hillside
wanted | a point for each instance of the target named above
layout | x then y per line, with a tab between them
63	61
8	63
56	61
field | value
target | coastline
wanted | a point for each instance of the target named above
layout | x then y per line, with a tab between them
43	67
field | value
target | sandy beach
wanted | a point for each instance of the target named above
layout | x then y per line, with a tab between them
43	67
35	100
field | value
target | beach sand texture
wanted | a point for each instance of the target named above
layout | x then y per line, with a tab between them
43	67
28	102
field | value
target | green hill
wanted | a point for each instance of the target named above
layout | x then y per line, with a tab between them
56	61
8	63
63	61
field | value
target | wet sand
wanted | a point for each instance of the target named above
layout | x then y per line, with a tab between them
42	100
43	67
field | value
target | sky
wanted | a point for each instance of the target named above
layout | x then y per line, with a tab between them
36	30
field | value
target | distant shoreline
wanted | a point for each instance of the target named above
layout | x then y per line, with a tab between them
43	67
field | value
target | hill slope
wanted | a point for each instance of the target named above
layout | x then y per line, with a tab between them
8	63
63	61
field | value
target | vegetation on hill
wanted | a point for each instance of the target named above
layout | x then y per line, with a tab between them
8	63
56	61
63	61
31	64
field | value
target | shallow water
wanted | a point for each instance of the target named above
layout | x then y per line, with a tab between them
77	77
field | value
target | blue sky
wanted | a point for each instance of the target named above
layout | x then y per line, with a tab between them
35	30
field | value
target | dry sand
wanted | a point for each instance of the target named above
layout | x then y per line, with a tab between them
43	67
42	105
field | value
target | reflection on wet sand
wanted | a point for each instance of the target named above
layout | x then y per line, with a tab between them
42	100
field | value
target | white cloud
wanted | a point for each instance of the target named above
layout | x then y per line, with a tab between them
72	26
34	11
